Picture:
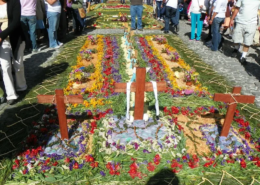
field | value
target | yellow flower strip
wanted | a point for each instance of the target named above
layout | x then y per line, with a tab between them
95	76
167	69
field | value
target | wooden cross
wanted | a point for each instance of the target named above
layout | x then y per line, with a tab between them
139	87
232	99
60	100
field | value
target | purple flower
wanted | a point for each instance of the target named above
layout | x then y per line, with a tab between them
102	173
146	151
109	132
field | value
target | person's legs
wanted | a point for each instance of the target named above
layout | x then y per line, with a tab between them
193	25
18	67
25	29
175	19
32	27
52	30
5	61
216	36
199	26
80	21
249	32
133	16
139	11
158	4
167	18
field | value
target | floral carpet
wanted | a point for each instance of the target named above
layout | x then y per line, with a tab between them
105	147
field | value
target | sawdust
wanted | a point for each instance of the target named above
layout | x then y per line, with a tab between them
194	142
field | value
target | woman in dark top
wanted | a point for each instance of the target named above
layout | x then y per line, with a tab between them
12	35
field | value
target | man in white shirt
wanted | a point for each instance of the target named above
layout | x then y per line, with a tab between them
217	19
170	13
245	16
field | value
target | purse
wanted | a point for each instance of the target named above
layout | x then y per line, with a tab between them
82	13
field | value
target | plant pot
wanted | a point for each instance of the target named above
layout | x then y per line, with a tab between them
189	83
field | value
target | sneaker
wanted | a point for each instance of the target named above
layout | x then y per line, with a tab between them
36	50
166	32
234	53
158	18
177	28
11	102
57	47
161	19
243	61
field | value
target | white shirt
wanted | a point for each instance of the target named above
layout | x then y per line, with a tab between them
55	7
195	6
220	7
248	11
172	3
4	19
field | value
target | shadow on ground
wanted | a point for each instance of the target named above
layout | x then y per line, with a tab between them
164	177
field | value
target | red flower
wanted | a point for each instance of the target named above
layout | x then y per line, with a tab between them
94	164
25	171
89	158
17	162
157	157
47	161
109	166
15	166
150	167
242	163
76	166
175	110
247	135
184	158
67	160
55	163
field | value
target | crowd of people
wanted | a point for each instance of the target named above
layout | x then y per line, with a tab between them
22	22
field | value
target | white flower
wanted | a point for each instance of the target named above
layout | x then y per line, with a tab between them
65	167
178	154
29	166
183	150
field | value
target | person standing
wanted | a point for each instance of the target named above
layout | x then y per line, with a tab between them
136	9
217	19
171	11
53	9
76	4
159	7
12	44
195	12
245	16
28	23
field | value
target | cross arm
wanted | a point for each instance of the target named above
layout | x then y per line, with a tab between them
229	99
67	99
121	87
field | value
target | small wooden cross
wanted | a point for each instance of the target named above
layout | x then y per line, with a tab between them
139	87
60	100
232	99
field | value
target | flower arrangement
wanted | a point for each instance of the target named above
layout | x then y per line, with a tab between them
191	77
86	55
160	39
174	57
93	39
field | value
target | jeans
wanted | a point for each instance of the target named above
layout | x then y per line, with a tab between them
176	18
195	20
148	2
216	36
158	5
136	10
122	1
53	20
78	20
170	14
28	24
